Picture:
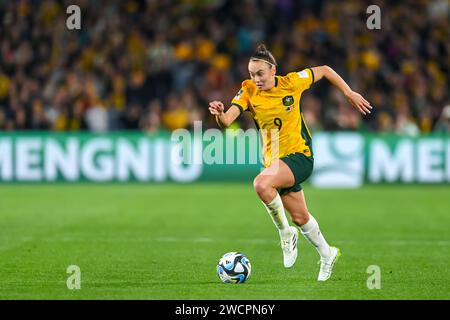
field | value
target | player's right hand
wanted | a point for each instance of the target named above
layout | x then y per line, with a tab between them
216	108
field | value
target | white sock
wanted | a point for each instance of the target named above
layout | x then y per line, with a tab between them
276	210
311	232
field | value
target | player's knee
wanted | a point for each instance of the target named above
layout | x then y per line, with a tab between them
300	217
261	186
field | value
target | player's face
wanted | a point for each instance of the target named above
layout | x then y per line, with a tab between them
262	74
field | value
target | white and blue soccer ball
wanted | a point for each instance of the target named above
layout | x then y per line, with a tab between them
234	267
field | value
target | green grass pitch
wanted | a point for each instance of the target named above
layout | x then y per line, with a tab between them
138	241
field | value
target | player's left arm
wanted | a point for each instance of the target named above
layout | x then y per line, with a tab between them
355	99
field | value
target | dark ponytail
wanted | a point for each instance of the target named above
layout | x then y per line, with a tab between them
262	53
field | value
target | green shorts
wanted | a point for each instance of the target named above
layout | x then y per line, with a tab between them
301	166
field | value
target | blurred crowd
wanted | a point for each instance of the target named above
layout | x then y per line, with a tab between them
151	65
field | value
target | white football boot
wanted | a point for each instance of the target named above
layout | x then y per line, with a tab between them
326	264
289	247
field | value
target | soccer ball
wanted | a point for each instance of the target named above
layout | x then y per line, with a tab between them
234	267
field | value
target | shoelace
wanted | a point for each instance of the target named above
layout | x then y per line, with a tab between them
324	267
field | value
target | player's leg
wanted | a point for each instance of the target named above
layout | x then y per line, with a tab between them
278	175
295	204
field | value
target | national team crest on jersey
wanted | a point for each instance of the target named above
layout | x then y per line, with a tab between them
288	100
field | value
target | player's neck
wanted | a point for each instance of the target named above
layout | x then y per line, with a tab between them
272	83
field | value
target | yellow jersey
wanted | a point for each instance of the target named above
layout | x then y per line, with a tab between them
277	114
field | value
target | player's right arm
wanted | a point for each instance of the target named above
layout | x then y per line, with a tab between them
224	119
239	104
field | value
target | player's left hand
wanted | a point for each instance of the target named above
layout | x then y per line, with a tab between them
358	101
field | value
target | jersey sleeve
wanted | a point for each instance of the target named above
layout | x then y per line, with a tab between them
303	79
241	99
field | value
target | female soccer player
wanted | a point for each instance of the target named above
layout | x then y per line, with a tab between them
274	102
